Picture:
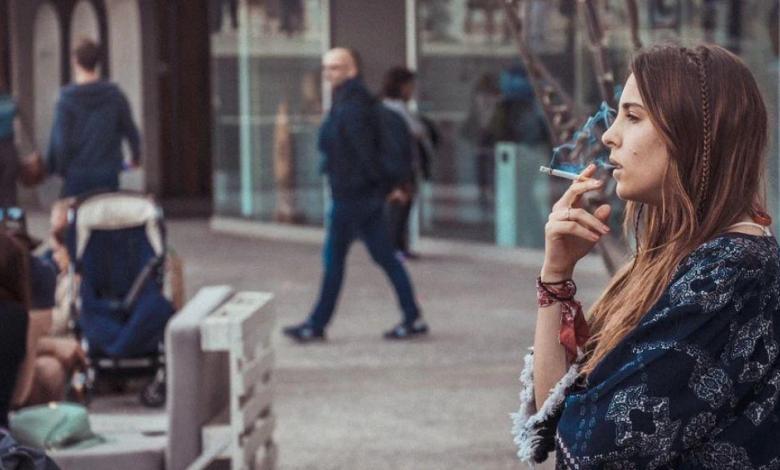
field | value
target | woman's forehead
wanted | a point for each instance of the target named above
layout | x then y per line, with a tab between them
630	95
630	91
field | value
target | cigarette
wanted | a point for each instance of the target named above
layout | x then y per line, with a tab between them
562	174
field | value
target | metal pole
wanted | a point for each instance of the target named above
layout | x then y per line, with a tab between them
412	59
245	111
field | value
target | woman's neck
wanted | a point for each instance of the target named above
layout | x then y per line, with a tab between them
746	225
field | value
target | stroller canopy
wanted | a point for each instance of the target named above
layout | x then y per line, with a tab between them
115	211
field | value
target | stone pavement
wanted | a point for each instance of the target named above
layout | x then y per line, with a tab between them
359	402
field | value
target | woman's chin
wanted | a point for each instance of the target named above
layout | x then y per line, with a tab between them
620	192
626	195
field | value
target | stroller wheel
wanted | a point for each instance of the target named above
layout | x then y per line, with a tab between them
153	394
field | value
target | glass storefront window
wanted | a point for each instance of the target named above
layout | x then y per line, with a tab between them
267	106
468	64
474	87
267	100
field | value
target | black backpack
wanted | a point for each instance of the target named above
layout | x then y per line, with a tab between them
394	146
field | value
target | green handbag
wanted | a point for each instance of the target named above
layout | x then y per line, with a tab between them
53	426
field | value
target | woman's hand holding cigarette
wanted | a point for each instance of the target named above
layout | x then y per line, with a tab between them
571	231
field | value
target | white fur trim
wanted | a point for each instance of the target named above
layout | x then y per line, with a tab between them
526	437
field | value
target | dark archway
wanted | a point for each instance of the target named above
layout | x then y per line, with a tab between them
65	9
185	106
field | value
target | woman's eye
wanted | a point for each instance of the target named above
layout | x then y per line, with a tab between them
632	118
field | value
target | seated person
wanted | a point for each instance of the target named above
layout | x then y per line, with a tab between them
49	360
14	301
58	253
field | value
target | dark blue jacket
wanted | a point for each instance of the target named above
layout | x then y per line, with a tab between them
349	144
89	124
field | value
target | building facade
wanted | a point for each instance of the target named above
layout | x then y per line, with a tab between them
268	96
229	95
156	51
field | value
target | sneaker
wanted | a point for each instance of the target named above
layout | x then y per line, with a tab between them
304	333
408	331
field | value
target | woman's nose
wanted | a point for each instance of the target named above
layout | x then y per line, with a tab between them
610	138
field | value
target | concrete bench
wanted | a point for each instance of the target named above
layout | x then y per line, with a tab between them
242	432
219	364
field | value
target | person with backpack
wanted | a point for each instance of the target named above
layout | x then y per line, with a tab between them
362	158
397	92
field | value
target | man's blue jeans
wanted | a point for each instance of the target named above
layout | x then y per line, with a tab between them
350	219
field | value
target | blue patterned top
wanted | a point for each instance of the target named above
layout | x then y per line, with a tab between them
695	385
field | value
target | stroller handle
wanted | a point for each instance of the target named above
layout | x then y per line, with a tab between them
138	284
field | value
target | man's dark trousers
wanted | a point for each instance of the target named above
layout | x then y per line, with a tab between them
362	218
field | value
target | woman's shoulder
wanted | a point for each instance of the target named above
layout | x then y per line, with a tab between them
734	253
725	271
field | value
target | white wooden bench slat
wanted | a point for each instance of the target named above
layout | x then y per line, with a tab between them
242	328
253	372
256	333
265	457
217	431
217	450
260	400
259	437
219	330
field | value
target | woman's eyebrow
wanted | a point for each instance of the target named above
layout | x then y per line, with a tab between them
630	104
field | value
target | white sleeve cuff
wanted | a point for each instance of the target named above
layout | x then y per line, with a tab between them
527	420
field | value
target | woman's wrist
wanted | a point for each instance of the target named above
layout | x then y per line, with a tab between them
555	275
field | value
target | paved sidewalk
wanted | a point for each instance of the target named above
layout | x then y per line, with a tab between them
359	402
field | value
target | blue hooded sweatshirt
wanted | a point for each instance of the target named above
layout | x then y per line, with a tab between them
348	142
89	124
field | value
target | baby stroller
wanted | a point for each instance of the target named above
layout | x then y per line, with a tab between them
116	242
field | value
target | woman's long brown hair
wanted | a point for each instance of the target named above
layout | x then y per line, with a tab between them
707	107
14	270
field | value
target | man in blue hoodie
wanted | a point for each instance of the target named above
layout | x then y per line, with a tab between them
91	120
349	143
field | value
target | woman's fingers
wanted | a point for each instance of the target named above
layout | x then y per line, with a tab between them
602	212
589	171
572	195
571	228
582	217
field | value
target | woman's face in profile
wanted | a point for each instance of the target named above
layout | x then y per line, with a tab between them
637	150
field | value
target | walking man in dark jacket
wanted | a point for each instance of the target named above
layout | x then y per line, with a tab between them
349	143
90	122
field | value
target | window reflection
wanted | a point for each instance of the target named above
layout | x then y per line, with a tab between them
267	104
466	48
